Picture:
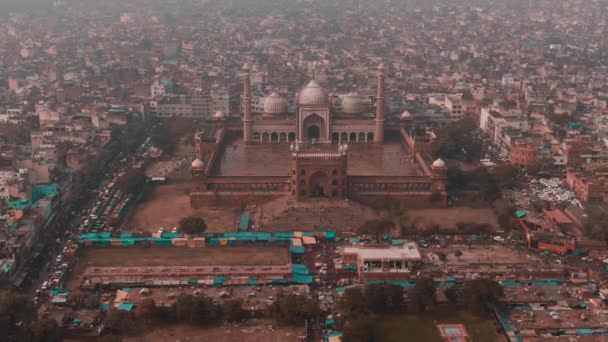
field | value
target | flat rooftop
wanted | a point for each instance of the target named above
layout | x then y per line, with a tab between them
273	159
408	251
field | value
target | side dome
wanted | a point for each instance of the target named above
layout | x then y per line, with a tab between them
438	164
406	115
313	95
275	104
198	164
219	115
352	104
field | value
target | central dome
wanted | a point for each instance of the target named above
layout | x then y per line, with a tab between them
352	104
275	104
313	95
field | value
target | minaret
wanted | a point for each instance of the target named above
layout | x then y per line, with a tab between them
379	135
246	103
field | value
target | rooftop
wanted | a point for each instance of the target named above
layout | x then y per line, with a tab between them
408	250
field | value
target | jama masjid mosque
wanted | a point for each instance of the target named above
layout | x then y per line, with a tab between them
320	151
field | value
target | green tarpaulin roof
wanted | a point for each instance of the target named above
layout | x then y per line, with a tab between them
296	249
302	278
125	307
244	221
219	280
41	191
20	204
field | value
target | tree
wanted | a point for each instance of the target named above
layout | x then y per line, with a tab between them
459	140
540	166
192	225
435	197
293	309
353	302
422	294
479	295
452	294
506	175
383	298
120	321
15	308
132	181
595	225
233	311
377	228
145	309
197	309
458	254
45	330
361	329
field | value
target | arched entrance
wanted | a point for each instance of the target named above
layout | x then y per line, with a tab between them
313	132
318	184
313	128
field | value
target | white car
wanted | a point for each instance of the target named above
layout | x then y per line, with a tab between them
59	258
499	239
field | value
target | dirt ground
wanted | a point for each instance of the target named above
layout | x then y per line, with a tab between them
227	333
184	256
487	254
166	204
447	218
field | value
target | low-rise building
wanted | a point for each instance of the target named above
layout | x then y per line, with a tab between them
375	263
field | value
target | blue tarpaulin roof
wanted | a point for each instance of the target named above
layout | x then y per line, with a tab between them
520	213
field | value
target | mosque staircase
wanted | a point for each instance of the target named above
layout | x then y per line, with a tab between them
338	215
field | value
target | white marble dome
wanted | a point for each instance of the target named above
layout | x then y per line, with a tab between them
275	104
198	164
438	164
219	115
352	104
313	95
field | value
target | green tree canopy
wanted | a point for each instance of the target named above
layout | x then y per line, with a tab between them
197	309
234	311
192	225
423	294
132	181
479	295
293	309
459	140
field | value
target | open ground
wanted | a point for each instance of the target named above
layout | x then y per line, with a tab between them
166	204
424	327
494	254
447	218
227	333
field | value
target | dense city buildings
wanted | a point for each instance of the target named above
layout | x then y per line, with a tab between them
433	156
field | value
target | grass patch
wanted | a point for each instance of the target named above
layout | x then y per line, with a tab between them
398	328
